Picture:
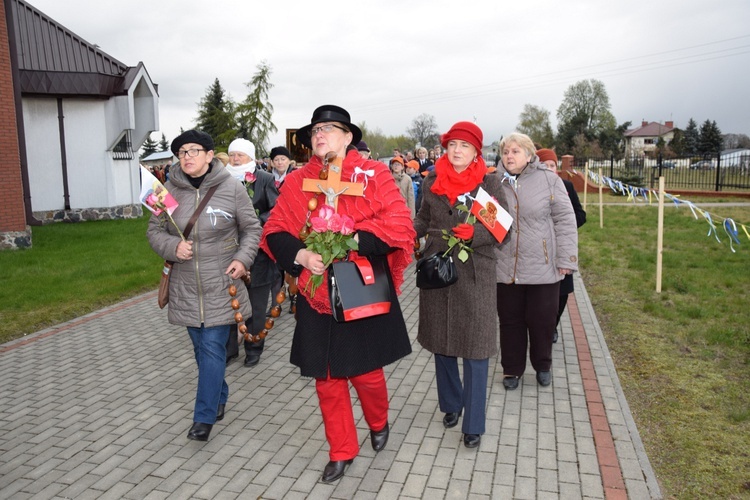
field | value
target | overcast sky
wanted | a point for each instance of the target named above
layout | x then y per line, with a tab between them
389	61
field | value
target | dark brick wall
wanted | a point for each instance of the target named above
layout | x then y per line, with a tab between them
12	213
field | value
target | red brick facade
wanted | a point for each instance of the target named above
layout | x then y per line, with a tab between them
12	212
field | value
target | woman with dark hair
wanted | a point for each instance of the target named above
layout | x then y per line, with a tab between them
454	322
334	353
221	247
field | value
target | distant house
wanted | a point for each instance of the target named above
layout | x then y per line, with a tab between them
83	116
644	139
734	158
160	158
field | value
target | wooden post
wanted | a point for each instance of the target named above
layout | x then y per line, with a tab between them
601	200
660	236
585	180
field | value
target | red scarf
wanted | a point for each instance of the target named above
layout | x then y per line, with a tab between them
451	183
382	211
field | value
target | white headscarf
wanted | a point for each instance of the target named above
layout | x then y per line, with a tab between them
242	146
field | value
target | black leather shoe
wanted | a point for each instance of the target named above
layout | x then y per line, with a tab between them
544	378
199	431
450	420
510	382
335	470
554	337
232	358
220	413
472	440
252	360
380	438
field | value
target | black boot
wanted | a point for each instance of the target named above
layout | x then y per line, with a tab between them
335	470
253	350
199	431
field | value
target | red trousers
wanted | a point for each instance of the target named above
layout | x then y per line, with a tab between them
338	417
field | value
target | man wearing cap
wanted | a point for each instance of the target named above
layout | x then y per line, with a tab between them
280	163
412	171
403	182
364	151
337	354
222	244
262	189
280	159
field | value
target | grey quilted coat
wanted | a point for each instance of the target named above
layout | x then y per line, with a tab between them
198	287
459	320
544	235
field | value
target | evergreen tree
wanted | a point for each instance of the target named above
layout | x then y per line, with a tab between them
149	147
163	143
710	138
691	138
255	112
216	116
677	144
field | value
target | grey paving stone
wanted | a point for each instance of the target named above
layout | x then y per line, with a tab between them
79	438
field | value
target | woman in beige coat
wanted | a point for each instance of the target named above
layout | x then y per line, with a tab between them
541	248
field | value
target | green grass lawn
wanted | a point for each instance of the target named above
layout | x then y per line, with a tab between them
683	356
71	270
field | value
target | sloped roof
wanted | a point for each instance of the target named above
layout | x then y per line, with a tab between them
54	60
653	129
161	155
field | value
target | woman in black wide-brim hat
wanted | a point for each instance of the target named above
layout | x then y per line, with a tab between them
336	354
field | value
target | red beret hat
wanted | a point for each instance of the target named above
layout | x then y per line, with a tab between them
464	131
546	154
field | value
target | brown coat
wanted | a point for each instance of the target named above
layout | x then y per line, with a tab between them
459	320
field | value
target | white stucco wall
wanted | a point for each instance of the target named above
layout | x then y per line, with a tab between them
94	179
43	153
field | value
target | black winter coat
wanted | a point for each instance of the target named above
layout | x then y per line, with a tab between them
264	271
347	349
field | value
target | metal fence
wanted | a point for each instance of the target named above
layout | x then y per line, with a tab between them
723	171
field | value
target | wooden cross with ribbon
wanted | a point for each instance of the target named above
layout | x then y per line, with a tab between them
332	187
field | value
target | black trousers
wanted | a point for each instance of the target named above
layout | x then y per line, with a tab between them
258	302
527	320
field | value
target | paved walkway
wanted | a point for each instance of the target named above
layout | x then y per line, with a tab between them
99	408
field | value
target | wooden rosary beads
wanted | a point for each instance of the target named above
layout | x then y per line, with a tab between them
242	328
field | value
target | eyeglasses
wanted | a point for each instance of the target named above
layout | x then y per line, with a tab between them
326	129
192	153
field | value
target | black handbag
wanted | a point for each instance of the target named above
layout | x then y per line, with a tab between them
359	288
436	271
